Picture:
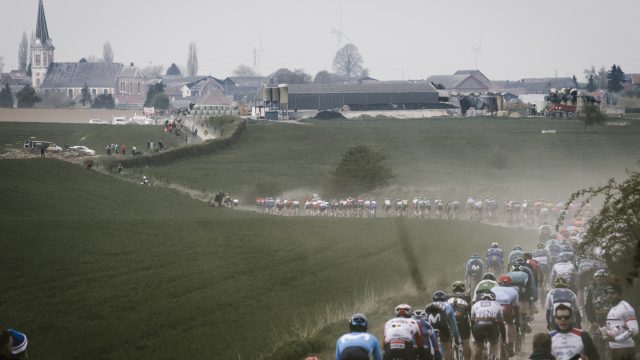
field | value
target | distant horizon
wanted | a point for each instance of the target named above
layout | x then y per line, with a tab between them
508	41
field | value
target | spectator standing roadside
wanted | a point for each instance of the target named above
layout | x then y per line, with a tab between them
542	347
124	149
567	342
41	151
622	325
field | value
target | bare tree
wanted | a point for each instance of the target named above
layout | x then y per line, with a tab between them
192	60
1	64
23	50
107	53
153	71
244	70
348	61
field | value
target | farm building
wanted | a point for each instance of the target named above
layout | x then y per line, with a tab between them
365	96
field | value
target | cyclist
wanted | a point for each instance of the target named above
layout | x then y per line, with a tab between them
461	304
358	344
516	253
561	294
596	305
494	258
487	324
443	318
544	231
429	335
523	283
568	342
566	269
473	270
401	334
553	248
487	283
440	298
507	298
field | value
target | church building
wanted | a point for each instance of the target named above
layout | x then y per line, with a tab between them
70	77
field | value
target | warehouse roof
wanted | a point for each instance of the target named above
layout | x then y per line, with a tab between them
372	87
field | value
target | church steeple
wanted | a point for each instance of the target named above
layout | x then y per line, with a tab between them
42	32
41	50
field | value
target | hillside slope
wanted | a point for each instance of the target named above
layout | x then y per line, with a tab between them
94	267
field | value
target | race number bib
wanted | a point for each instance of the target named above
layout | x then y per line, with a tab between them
396	345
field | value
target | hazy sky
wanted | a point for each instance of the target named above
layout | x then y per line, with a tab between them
401	38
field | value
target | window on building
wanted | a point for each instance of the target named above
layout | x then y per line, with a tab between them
70	93
139	88
37	60
122	86
105	91
93	92
44	60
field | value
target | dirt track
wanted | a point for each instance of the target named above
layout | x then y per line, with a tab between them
78	116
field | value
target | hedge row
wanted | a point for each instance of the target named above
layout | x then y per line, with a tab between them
163	158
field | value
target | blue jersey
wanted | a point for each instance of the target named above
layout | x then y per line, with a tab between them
450	318
358	345
494	256
429	335
474	268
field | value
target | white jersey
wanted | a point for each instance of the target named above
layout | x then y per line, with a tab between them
486	312
622	324
563	269
566	345
400	329
506	296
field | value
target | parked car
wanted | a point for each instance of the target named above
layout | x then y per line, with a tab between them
82	150
142	120
97	121
54	148
120	120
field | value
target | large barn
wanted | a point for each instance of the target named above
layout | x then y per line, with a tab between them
365	96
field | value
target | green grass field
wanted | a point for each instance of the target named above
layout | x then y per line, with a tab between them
440	157
94	267
96	137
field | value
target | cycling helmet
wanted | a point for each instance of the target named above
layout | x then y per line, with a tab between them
600	273
459	286
419	313
517	247
540	246
505	280
475	256
560	282
489	276
528	256
517	267
495	245
358	323
520	260
403	310
439	296
563	257
488	296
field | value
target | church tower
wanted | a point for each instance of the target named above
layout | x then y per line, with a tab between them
41	50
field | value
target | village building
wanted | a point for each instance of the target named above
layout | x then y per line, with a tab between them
69	78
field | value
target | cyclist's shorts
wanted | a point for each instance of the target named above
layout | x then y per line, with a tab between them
355	353
488	331
508	314
464	328
398	349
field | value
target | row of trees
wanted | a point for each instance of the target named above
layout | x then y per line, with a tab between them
26	97
604	79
